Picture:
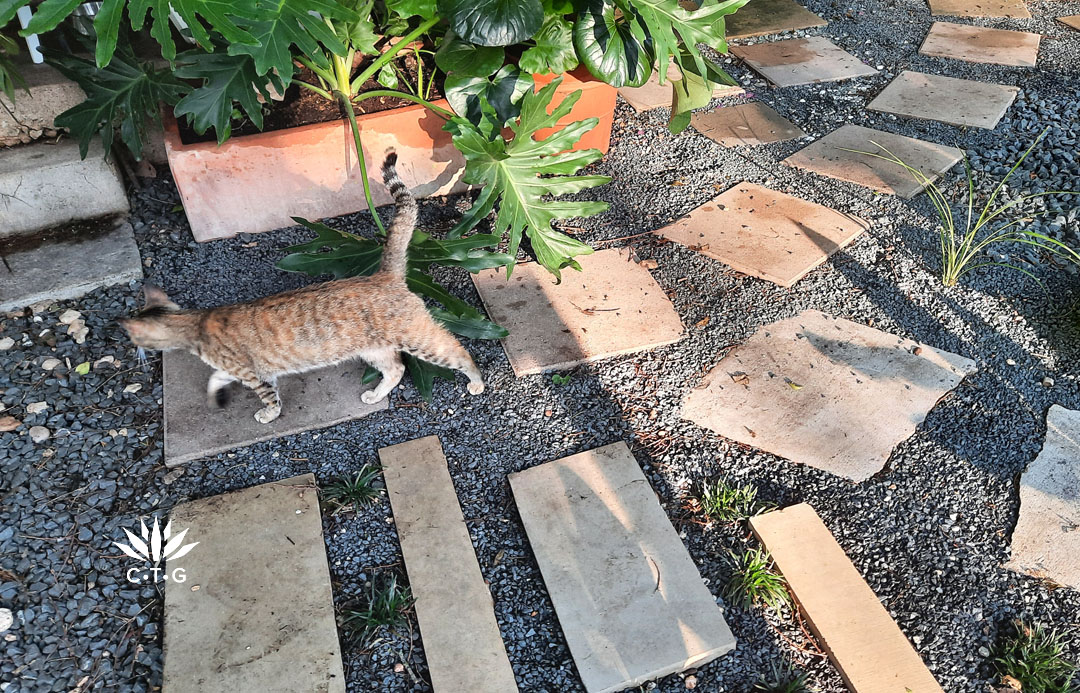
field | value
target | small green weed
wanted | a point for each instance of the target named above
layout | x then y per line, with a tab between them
353	492
386	604
727	502
561	379
755	582
782	679
1034	657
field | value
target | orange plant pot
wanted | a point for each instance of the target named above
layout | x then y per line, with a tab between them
255	183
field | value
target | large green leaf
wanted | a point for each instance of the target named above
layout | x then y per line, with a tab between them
423	374
493	22
488	103
466	59
8	8
554	50
676	32
227	80
282	24
519	174
615	49
412	8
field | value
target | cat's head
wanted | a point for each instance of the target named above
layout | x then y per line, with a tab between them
160	325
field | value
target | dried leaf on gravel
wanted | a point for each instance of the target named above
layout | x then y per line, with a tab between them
8	423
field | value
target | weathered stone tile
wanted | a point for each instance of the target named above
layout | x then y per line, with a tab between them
26	117
765	233
864	643
978	44
630	600
945	99
763	17
837	155
826	392
612	307
308	401
255	611
802	61
1046	542
462	643
979	8
1072	21
745	123
652	94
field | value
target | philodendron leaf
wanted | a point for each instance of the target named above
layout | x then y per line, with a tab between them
676	32
493	22
488	103
278	26
412	8
10	79
227	79
466	59
615	49
554	50
519	174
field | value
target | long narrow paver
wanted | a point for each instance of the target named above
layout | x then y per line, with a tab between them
864	643
802	61
1046	541
462	644
1015	9
826	392
255	610
630	600
978	44
195	429
652	94
764	233
745	123
848	154
945	99
764	17
1071	21
612	307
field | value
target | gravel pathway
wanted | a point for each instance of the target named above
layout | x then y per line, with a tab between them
930	532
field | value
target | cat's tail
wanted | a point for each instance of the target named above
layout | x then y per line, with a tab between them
396	251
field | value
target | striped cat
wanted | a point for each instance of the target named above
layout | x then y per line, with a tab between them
371	318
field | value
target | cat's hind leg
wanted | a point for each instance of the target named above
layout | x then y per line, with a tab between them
388	362
443	349
217	394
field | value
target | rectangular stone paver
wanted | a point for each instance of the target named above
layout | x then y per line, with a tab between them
826	392
980	8
763	17
765	233
1046	541
462	644
744	123
1072	21
802	61
945	99
837	155
864	643
612	307
630	600
312	400
978	44
652	94
255	612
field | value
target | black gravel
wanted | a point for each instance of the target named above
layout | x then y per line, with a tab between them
929	533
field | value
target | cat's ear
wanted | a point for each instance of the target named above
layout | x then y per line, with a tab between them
153	297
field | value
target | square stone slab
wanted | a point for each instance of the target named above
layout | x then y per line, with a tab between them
864	643
977	44
945	99
1072	20
255	612
765	233
980	8
744	123
1046	541
826	392
629	598
311	400
652	94
462	644
810	60
612	307
763	17
836	155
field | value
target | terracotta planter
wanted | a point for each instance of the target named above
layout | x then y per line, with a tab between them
255	183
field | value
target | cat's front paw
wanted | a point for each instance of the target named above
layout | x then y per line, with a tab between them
476	388
267	414
370	397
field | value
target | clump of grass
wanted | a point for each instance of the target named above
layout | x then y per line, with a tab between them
386	605
754	581
1034	657
782	679
727	502
353	492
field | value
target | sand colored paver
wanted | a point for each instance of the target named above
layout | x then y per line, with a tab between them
826	392
765	233
462	643
980	8
629	598
802	61
1072	21
745	123
763	17
312	400
255	612
864	643
978	44
652	94
612	307
1046	541
945	99
837	155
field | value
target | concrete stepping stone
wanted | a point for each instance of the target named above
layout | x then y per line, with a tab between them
652	94
836	155
1072	21
255	612
980	8
68	263
945	99
462	643
629	598
864	643
194	430
976	44
612	307
765	233
794	62
30	116
1046	541
764	17
825	392
745	123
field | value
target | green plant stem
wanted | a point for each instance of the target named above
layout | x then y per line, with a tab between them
404	95
389	55
321	92
351	114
